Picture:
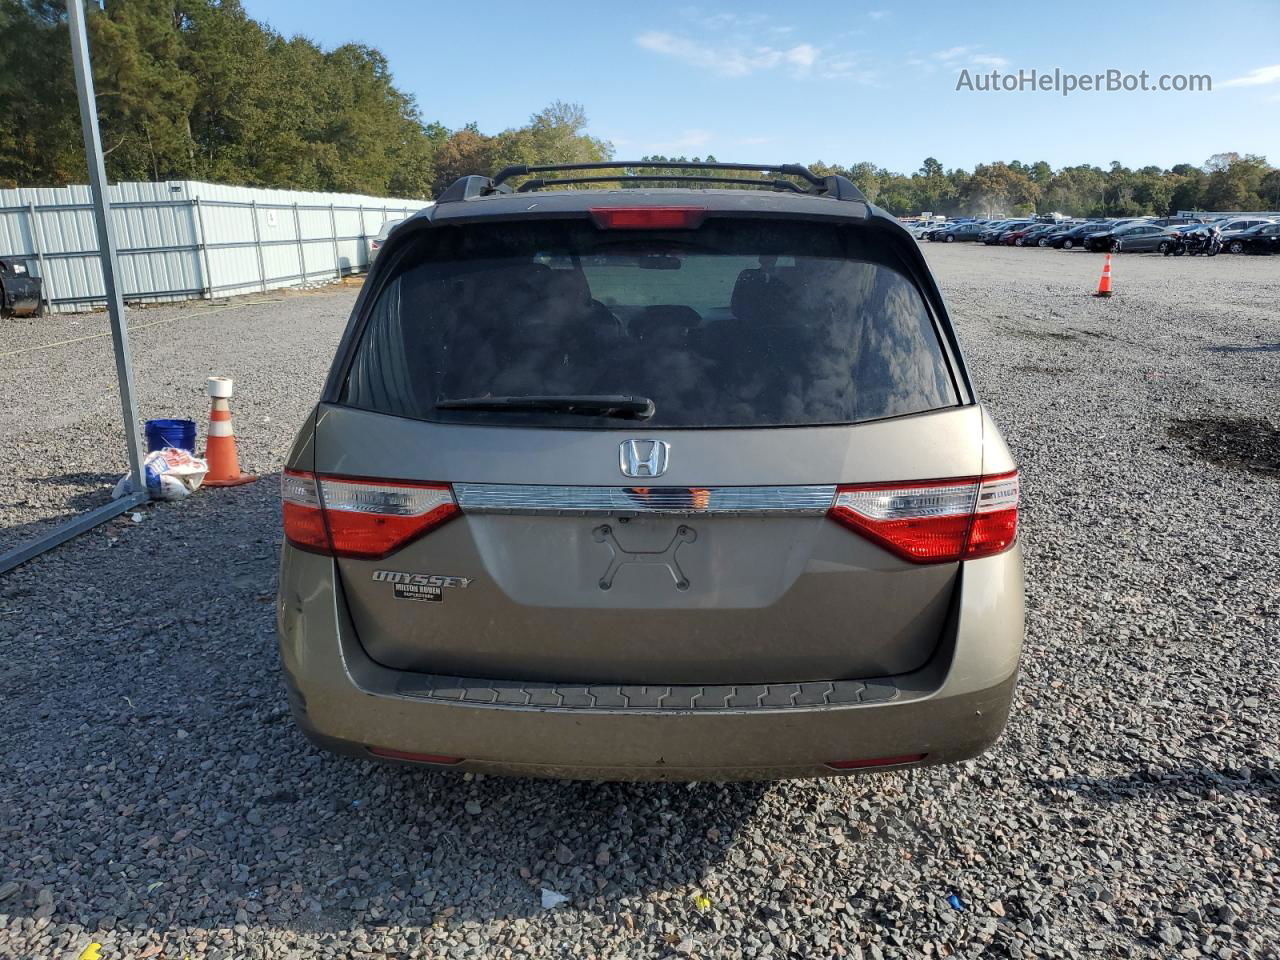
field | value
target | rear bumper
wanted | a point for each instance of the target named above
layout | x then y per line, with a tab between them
951	709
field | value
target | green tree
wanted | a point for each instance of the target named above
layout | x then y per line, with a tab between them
40	126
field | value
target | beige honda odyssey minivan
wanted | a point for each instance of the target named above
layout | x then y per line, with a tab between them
624	475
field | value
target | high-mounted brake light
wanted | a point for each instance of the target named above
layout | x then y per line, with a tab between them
648	218
937	521
366	519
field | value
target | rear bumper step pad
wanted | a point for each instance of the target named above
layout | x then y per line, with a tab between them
650	698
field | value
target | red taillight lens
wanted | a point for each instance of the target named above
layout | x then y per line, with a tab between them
648	218
366	519
876	762
303	518
938	521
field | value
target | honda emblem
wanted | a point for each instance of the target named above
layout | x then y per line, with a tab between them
643	458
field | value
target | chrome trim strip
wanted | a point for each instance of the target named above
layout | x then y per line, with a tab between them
518	498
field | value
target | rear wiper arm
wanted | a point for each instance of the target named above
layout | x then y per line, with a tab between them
607	405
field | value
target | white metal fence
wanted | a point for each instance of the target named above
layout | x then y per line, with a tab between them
184	239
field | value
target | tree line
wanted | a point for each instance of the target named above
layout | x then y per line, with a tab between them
1226	181
197	89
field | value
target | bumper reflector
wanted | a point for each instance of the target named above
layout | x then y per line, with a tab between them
875	762
414	757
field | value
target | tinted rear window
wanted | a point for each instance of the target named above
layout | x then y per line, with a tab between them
738	324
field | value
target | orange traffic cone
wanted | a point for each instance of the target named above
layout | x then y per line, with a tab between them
1104	285
220	447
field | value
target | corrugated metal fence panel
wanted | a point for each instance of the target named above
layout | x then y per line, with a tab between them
186	239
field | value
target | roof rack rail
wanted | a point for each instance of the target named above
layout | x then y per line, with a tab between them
472	187
539	184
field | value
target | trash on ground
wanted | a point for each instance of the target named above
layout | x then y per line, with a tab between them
551	899
170	474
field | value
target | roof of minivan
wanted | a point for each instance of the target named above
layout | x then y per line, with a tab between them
552	203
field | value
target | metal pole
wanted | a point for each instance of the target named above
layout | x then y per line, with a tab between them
36	241
333	230
257	245
106	238
203	249
302	253
364	239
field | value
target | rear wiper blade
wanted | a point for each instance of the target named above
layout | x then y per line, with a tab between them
607	405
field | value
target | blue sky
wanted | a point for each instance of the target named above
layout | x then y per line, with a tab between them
839	83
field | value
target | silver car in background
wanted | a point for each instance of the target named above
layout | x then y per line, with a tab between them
376	244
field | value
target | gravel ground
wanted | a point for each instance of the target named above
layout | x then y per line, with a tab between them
155	797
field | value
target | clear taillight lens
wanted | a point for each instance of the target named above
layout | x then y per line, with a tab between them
938	521
368	519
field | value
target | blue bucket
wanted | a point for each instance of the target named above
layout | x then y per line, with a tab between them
171	433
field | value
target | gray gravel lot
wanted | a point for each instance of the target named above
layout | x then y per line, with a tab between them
155	797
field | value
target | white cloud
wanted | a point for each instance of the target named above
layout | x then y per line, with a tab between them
878	14
733	59
802	55
951	54
688	140
953	58
1256	78
741	55
847	68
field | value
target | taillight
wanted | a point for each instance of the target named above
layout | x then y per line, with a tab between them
367	519
648	218
938	521
303	518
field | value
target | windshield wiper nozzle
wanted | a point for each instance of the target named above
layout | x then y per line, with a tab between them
606	405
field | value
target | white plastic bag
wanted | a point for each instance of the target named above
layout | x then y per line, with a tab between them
170	474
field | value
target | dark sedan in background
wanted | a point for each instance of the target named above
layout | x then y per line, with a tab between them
959	233
1264	238
1075	237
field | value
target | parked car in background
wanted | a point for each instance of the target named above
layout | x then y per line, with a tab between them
1010	238
1075	237
1046	238
1176	221
997	235
961	232
1031	235
574	506
1138	237
1263	238
1231	230
377	242
990	227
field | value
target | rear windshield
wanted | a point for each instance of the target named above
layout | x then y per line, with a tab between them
738	324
